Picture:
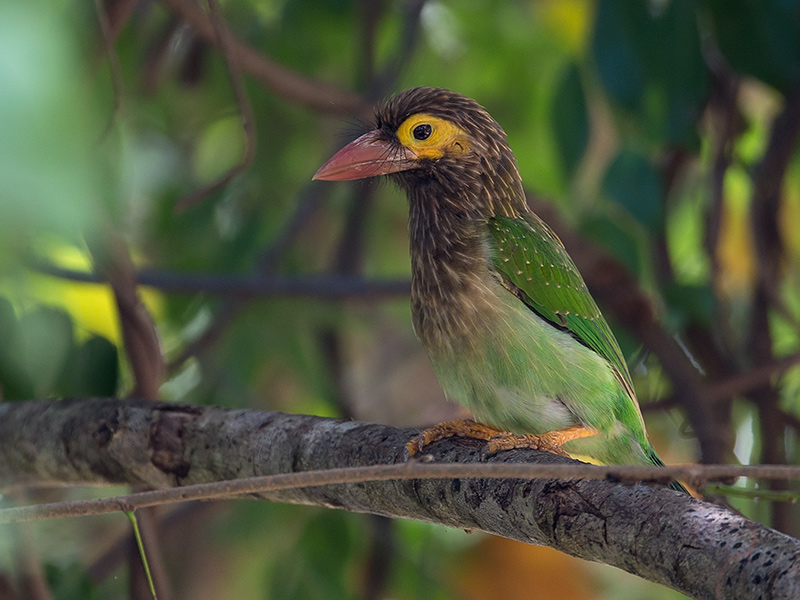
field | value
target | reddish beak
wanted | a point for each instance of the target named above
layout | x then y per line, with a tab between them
367	156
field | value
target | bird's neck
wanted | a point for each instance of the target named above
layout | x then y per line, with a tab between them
446	245
448	255
447	223
450	259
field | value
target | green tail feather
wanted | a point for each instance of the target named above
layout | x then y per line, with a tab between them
653	457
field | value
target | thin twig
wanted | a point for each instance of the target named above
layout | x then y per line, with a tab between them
113	64
160	50
183	517
152	537
142	345
350	253
245	110
119	12
267	263
764	211
767	187
324	287
724	114
287	84
735	385
392	72
747	381
370	13
696	475
137	536
143	349
310	198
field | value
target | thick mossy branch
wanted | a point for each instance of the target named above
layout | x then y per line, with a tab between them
698	548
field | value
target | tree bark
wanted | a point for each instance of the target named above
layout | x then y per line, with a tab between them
700	549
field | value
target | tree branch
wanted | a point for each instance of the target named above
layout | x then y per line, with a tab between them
325	287
245	111
142	346
701	549
282	81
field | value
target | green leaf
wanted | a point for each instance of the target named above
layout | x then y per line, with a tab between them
319	567
689	304
614	238
618	51
664	89
46	346
93	370
15	382
49	173
570	119
760	38
69	581
633	182
681	73
219	148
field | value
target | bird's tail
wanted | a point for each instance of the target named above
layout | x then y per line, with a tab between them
653	458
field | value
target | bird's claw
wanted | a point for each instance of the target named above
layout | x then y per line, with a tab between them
457	427
550	441
413	446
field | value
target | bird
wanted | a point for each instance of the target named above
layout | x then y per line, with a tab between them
506	319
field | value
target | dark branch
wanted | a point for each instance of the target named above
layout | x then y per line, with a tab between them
282	81
316	286
701	549
109	37
308	202
245	110
767	187
139	334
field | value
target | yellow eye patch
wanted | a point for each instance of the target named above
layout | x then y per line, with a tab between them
432	137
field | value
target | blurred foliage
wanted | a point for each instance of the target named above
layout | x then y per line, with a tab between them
623	114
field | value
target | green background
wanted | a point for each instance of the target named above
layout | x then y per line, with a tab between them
652	129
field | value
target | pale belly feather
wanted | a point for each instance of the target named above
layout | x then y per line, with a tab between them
515	371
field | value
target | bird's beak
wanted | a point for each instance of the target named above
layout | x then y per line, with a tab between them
367	156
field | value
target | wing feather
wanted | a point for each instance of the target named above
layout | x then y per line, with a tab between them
534	266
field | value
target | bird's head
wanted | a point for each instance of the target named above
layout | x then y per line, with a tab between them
436	143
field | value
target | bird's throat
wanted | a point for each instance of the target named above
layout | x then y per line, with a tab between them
450	272
453	287
446	245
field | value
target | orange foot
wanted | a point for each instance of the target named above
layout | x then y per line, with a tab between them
548	442
499	440
460	427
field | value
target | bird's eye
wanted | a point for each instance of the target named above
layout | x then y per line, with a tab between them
422	132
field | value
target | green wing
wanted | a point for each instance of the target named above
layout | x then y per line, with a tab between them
535	267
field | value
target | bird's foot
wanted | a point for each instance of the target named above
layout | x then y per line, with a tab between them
460	427
547	442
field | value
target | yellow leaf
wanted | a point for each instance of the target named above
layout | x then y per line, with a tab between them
90	305
569	20
789	215
735	251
